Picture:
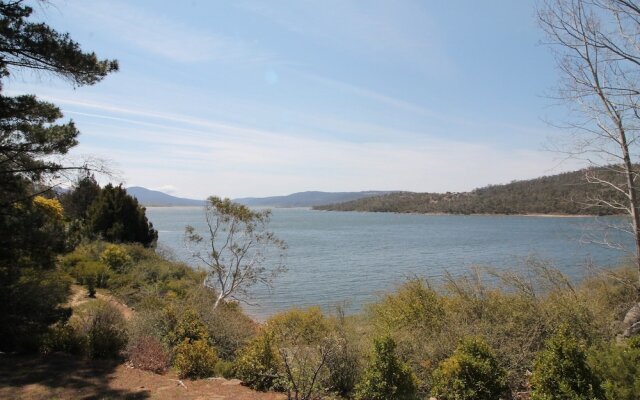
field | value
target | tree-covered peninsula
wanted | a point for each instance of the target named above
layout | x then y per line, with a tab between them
568	193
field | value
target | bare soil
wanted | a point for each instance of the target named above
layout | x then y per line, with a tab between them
60	376
80	296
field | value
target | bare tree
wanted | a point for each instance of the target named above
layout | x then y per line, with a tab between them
240	251
597	49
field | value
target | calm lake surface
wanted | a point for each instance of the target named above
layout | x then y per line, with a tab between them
353	258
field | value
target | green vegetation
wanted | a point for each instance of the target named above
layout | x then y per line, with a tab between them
386	377
568	193
32	142
117	217
472	372
195	359
258	364
618	365
561	371
473	336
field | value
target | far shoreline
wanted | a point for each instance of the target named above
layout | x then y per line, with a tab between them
532	215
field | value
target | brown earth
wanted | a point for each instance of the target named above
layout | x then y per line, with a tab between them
79	296
59	376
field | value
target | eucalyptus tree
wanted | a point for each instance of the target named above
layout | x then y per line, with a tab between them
239	250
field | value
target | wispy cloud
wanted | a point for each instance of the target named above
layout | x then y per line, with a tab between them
160	35
376	28
239	160
369	94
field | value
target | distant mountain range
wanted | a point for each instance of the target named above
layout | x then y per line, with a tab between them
307	199
564	193
148	197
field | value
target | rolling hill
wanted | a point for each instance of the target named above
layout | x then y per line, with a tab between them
148	197
565	193
306	199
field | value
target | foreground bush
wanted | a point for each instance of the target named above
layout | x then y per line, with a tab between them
104	327
31	300
345	361
195	359
386	377
304	340
258	364
561	371
618	365
472	372
64	337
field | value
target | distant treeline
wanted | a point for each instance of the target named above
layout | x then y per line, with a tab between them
566	193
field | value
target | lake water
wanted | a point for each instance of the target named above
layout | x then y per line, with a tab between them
336	257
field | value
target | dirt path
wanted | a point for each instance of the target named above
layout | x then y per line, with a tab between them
60	376
64	377
80	296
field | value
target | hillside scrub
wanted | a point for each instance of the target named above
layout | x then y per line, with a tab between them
514	313
472	372
566	193
311	354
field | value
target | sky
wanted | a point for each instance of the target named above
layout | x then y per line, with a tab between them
260	98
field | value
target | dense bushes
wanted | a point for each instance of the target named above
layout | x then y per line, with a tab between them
32	291
513	312
195	359
134	274
472	372
618	365
104	327
258	364
97	330
426	338
386	377
561	371
300	351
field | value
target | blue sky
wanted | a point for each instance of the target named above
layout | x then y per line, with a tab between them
257	98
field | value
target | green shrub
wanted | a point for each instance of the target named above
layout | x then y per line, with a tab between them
93	274
104	327
619	367
224	369
187	326
195	359
304	339
116	258
65	338
30	301
258	364
561	371
472	372
229	328
386	377
345	361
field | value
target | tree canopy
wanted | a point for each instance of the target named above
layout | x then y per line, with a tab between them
32	140
117	217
